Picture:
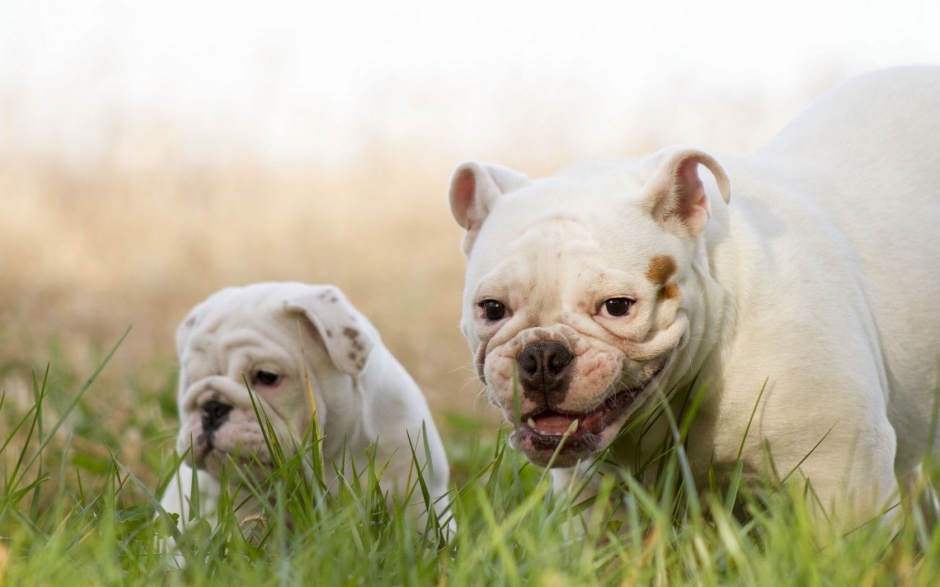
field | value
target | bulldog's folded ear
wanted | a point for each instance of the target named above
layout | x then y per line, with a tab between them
473	189
677	198
347	334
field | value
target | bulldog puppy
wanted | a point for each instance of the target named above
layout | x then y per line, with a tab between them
808	269
279	336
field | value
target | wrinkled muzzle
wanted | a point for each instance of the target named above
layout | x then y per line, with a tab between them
568	395
220	422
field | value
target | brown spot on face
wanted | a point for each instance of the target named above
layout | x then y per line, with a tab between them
329	333
351	333
661	269
352	356
670	292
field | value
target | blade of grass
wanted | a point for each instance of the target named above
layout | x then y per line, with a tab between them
75	399
162	513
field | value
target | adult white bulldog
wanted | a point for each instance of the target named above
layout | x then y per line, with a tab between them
809	269
279	336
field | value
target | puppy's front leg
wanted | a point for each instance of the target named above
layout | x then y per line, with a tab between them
177	500
177	497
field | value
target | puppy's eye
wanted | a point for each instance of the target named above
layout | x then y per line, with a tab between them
493	310
616	307
266	378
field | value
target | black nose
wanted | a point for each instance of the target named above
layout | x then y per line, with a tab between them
213	415
543	366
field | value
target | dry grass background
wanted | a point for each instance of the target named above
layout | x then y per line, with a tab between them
85	254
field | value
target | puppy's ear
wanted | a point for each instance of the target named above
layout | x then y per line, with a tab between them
185	329
474	188
197	314
347	335
677	198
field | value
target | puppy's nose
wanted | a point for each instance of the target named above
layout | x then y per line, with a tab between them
544	366
213	415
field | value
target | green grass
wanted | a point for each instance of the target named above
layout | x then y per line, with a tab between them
74	512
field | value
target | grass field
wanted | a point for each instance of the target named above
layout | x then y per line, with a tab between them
74	513
86	254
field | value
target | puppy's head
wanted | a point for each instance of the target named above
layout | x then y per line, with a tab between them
583	291
274	336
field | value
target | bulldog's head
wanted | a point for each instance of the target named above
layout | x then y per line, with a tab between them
583	291
274	336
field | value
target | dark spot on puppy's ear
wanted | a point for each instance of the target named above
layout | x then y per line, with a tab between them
352	356
660	269
191	321
323	295
329	333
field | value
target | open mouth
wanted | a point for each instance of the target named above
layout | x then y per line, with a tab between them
540	434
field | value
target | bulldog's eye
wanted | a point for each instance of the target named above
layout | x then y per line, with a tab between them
266	378
616	307
493	310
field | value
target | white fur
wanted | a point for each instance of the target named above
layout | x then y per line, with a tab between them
817	272
363	395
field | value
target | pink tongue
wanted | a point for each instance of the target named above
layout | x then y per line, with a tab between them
553	423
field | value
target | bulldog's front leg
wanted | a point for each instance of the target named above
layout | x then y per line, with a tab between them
855	487
581	488
820	425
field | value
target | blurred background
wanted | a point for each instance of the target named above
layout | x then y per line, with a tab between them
153	152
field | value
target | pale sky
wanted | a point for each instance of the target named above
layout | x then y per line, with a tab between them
301	82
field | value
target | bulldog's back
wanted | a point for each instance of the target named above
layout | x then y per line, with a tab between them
868	153
867	157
